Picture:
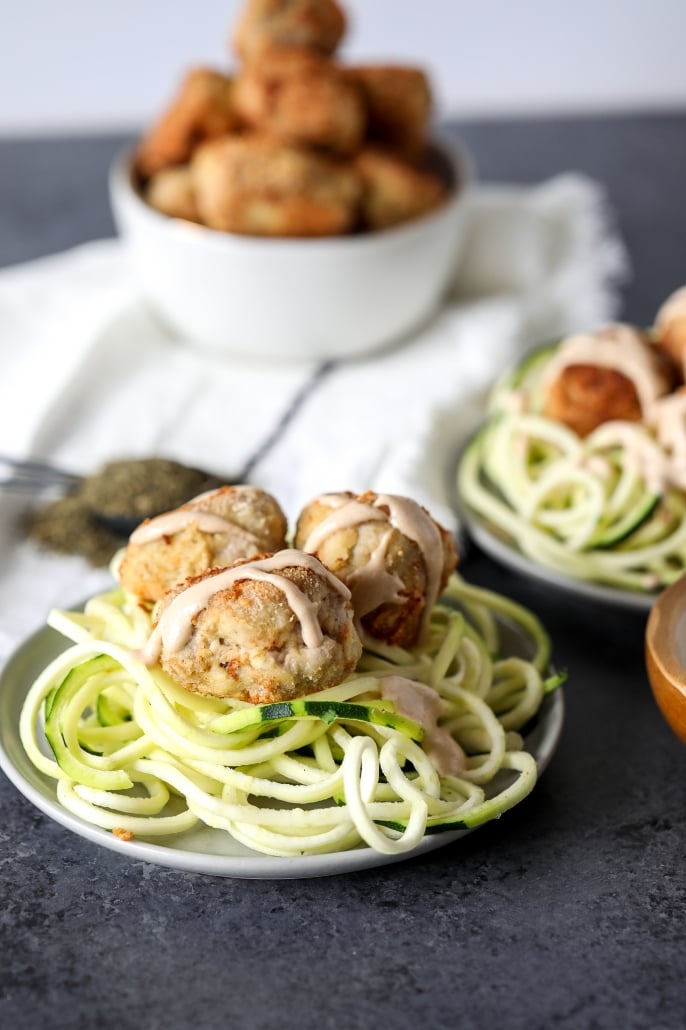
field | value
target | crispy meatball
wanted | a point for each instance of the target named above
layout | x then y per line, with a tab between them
394	190
611	374
202	110
585	396
393	555
316	24
670	329
399	104
213	530
171	192
261	187
301	97
265	630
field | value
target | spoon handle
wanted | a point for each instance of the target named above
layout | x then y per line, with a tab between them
26	473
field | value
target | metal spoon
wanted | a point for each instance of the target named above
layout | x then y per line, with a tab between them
31	475
25	474
28	475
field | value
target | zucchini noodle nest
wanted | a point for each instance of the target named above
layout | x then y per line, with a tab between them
137	754
593	509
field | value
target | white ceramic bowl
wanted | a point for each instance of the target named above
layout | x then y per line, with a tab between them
336	297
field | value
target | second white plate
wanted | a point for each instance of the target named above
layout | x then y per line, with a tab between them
505	550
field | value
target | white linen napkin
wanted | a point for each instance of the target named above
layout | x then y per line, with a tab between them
88	375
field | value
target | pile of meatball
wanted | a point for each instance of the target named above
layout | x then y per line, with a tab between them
293	143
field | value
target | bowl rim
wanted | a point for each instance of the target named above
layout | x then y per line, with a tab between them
447	143
664	663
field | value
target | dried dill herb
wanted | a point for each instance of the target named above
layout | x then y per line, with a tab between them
140	487
128	489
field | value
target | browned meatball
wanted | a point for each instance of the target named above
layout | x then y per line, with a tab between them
394	190
399	104
202	109
261	187
393	555
213	530
316	24
265	630
170	191
585	396
303	98
611	374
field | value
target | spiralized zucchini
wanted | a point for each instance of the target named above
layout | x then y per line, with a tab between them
594	509
136	754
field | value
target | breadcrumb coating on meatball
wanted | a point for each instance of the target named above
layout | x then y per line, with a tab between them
395	191
303	98
316	24
171	192
399	105
168	549
247	634
259	186
393	555
201	110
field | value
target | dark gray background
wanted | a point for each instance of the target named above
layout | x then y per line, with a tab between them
568	912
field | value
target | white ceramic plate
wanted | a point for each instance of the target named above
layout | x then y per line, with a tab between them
504	549
204	850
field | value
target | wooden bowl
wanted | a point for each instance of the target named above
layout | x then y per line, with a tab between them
665	652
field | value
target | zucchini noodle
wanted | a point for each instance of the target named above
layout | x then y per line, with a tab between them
596	509
136	754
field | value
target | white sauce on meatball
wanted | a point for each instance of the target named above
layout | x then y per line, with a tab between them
172	522
175	626
372	585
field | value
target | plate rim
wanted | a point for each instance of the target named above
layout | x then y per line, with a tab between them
39	789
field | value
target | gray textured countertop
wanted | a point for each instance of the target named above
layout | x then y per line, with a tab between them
568	912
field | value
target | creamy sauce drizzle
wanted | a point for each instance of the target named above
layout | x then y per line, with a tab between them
410	519
620	347
372	585
172	522
345	516
175	626
422	704
674	307
668	418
